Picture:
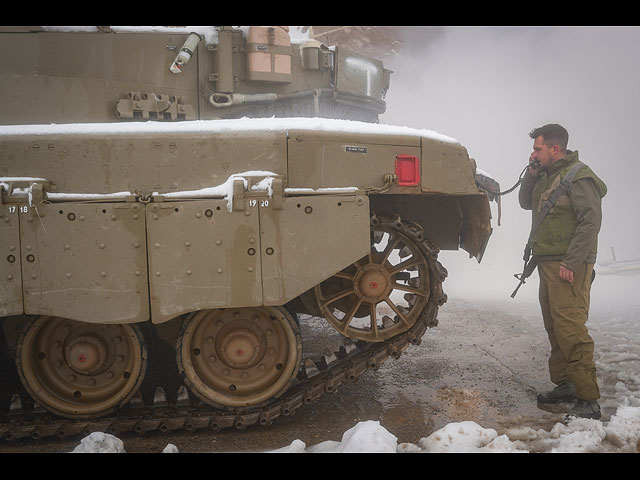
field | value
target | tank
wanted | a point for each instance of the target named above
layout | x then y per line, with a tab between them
175	205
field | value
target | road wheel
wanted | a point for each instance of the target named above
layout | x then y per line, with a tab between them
78	369
239	357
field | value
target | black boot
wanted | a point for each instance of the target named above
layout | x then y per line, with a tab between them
584	409
565	392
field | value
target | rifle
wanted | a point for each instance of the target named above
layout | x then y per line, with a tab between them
530	265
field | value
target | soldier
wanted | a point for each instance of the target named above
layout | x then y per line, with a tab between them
564	245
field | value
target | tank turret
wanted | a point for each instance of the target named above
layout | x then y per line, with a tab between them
106	74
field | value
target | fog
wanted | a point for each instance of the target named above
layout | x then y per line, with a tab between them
488	87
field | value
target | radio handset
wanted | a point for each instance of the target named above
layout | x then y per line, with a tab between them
535	165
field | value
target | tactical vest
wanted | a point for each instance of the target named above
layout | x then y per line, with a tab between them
558	228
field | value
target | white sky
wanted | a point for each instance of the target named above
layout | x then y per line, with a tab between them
488	87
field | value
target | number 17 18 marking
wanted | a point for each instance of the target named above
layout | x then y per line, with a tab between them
14	209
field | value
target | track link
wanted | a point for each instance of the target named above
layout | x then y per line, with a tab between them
317	376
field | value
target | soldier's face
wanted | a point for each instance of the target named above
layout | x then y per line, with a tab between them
544	154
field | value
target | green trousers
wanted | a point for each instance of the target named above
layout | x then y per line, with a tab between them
565	309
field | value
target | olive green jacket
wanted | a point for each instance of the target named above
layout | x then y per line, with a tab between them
570	230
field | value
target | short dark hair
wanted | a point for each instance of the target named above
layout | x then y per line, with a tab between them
552	134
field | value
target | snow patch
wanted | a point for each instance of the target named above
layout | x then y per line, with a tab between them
620	435
208	33
170	448
214	127
623	430
466	437
225	190
99	442
365	437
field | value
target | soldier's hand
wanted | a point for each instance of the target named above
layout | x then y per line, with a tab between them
566	274
534	166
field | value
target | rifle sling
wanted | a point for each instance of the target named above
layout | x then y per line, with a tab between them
565	186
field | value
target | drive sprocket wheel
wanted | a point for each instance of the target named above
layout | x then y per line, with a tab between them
384	293
239	357
80	370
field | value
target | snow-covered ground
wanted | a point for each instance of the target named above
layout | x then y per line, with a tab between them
621	434
613	324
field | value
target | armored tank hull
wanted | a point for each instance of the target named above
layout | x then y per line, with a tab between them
157	275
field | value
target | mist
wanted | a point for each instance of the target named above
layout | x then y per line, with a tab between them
488	87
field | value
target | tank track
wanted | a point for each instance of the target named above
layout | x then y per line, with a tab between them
316	377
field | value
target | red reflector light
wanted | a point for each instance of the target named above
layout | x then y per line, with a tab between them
407	170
